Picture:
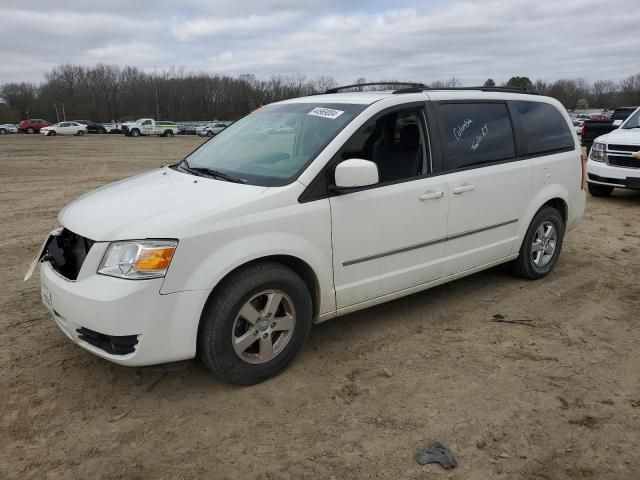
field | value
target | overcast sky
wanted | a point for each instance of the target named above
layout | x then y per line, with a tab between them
394	39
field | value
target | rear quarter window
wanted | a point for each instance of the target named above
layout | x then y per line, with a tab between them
476	133
545	129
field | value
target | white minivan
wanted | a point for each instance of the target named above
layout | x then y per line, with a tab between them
308	209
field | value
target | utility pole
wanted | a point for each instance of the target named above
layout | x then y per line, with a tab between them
155	84
64	115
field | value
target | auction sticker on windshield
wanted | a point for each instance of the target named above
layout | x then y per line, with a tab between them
326	112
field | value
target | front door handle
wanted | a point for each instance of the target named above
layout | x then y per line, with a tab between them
465	187
431	194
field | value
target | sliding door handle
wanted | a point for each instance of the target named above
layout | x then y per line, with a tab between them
431	194
465	187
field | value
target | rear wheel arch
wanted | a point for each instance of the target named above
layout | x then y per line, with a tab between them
560	205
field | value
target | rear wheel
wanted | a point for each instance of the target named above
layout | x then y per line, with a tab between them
599	190
541	245
255	323
168	133
3	131
209	133
80	133
30	130
102	130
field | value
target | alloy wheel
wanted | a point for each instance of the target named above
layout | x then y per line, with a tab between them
263	327
544	244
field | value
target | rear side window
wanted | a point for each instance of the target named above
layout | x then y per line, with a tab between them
476	133
545	128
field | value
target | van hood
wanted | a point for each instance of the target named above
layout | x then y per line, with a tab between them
151	205
625	136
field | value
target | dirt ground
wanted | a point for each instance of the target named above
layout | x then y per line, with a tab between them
556	398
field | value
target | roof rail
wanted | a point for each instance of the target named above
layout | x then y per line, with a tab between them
356	85
417	89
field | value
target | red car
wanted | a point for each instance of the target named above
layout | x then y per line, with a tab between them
33	125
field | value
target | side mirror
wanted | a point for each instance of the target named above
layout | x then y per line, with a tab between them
617	123
355	172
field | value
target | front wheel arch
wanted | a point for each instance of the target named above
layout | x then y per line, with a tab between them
299	266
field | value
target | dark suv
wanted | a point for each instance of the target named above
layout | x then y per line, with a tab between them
32	125
92	127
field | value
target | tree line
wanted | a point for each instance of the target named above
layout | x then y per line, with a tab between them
110	92
580	94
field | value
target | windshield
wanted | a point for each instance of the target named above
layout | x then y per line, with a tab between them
633	121
274	144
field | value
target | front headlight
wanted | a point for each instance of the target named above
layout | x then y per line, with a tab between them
138	259
597	152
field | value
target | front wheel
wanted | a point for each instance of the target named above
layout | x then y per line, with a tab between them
209	133
255	323
541	245
135	132
30	130
80	133
168	133
52	133
599	190
3	131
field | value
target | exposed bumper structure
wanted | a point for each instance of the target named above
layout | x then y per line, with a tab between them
125	321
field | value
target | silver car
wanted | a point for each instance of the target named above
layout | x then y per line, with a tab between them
211	129
8	128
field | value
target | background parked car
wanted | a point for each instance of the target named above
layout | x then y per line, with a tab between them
32	125
64	128
93	127
188	128
577	123
211	129
8	128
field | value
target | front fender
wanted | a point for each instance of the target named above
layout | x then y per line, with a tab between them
202	261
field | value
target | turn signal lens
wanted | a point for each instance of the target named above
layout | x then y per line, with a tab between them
151	259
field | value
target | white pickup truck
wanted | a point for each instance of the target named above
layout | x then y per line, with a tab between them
614	159
148	126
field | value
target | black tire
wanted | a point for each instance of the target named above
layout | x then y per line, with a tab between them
524	266
30	130
168	133
599	190
209	133
3	131
216	323
80	133
102	131
135	132
52	133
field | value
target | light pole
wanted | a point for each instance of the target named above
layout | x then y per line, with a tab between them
155	84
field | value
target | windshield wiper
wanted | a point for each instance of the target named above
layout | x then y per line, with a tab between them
209	173
184	166
216	174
